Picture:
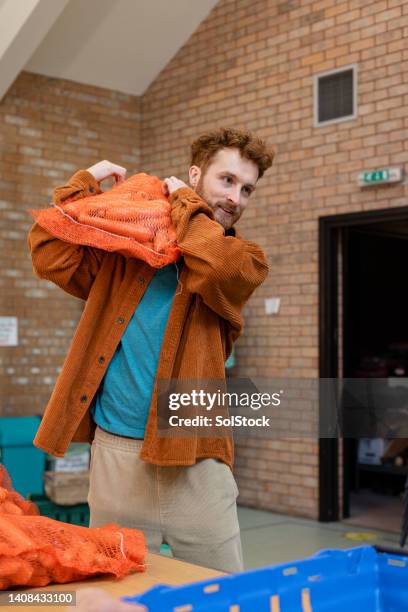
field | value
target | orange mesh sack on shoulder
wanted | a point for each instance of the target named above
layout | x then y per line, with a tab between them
133	218
36	550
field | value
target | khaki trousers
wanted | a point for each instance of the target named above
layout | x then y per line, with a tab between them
191	508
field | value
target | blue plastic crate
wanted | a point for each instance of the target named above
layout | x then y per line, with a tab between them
356	580
24	462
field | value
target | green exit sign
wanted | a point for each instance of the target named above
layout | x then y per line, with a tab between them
380	176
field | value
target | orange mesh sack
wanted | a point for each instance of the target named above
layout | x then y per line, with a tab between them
36	550
133	218
12	502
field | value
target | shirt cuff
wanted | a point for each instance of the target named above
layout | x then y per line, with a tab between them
183	192
87	182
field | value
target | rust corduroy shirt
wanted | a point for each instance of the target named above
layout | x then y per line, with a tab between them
220	273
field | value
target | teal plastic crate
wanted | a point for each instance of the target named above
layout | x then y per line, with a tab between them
24	462
75	515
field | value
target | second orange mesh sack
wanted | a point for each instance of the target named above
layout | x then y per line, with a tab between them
133	218
36	550
12	502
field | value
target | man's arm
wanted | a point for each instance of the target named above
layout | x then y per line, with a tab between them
223	270
72	267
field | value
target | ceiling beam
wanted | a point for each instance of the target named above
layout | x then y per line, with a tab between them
23	25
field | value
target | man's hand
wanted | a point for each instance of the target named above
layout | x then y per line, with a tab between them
104	169
172	184
97	600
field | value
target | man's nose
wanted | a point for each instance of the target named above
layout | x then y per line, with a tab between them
234	195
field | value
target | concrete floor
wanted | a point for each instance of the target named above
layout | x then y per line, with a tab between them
269	538
375	511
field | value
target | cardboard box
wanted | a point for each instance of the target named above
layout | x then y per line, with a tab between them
370	450
67	488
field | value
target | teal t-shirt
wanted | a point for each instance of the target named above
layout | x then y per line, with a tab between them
122	403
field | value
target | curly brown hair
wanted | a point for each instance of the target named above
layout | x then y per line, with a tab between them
250	146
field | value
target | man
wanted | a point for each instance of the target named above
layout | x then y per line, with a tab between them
141	325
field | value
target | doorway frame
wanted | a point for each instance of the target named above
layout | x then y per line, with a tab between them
329	239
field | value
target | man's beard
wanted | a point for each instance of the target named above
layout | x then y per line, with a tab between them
200	190
225	222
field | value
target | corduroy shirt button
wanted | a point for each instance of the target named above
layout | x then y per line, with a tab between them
83	398
141	279
101	359
120	320
91	189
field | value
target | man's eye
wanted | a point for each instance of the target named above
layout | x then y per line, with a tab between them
227	179
247	191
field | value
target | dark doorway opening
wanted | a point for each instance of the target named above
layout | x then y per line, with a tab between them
363	333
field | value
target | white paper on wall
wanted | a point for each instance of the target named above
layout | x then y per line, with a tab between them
8	331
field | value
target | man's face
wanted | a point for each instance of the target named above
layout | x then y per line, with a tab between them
226	185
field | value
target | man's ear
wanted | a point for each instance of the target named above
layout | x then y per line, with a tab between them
194	174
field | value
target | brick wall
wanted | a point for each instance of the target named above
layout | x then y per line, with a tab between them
251	63
49	128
